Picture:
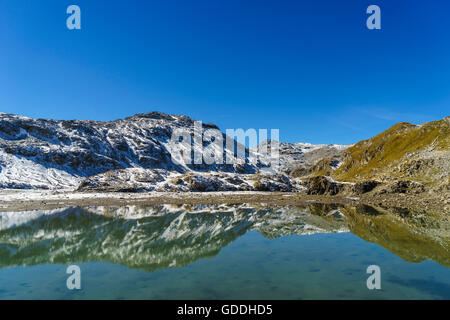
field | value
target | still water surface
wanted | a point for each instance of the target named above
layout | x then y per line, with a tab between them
224	252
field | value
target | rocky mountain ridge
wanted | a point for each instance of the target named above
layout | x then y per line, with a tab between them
42	153
135	155
135	152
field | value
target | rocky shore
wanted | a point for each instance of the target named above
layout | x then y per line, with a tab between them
20	200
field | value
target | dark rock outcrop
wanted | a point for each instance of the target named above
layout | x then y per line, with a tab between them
321	185
364	186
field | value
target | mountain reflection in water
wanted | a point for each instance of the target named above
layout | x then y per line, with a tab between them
166	236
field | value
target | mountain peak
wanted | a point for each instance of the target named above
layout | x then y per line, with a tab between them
151	115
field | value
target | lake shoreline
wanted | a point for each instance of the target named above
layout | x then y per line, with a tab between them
27	200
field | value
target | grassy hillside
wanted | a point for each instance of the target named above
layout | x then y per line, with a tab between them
404	151
418	152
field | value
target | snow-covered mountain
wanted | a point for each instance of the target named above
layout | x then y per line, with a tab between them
300	154
61	154
42	153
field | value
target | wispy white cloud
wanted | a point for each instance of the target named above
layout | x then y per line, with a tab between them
394	116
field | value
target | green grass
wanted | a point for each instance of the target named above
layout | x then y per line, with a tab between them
377	155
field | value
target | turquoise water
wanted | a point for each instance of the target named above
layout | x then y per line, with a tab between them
273	253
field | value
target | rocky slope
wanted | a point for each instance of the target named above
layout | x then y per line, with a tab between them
146	180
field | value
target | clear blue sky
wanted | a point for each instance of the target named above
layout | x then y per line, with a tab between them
310	68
